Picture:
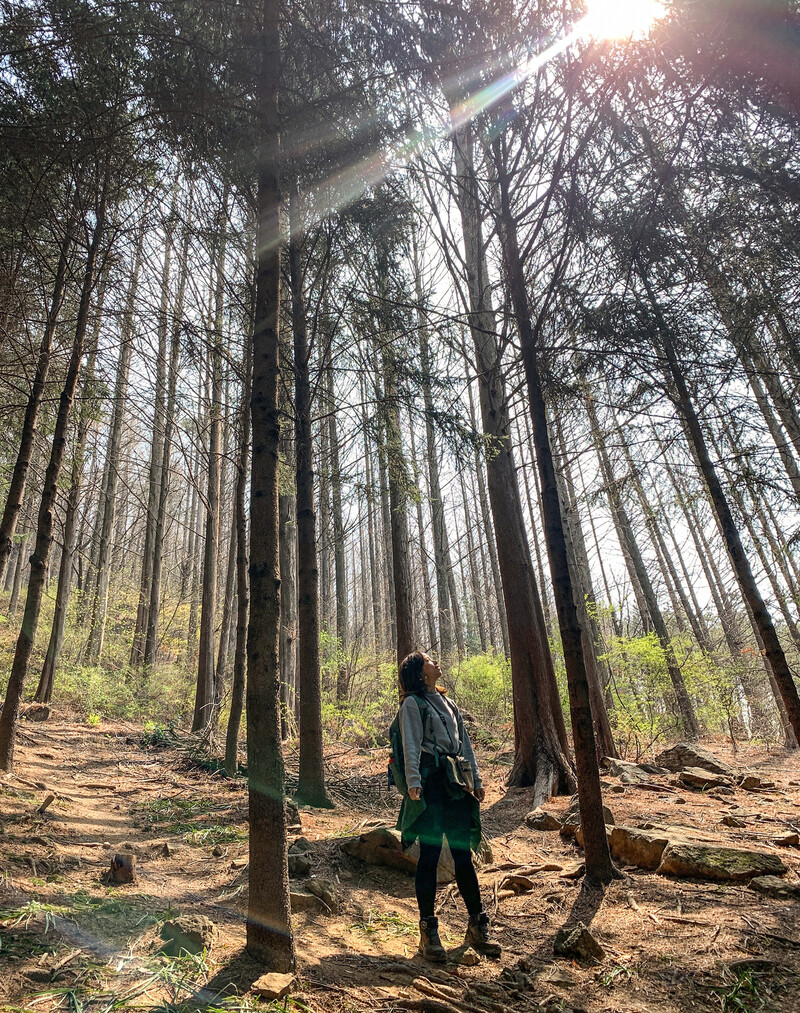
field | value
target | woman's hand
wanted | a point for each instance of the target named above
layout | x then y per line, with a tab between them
480	794
415	794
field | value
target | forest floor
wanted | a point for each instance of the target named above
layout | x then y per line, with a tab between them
71	942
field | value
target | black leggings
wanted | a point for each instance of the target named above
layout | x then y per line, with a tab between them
451	818
425	879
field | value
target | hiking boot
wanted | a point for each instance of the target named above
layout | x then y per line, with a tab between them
478	936
430	945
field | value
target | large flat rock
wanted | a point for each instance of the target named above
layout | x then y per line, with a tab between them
699	777
632	846
689	754
711	861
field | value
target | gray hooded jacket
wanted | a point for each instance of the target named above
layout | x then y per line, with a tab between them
444	732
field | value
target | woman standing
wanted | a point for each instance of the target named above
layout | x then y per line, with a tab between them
432	730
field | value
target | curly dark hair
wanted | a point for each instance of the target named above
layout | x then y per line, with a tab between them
411	680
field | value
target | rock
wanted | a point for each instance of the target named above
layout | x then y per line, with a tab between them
36	712
382	846
326	890
688	754
273	986
699	777
749	782
299	865
469	958
167	849
721	791
560	976
710	861
538	819
123	869
217	851
292	814
733	821
187	934
643	848
302	900
628	773
787	840
572	818
618	788
239	863
577	943
680	800
300	846
771	886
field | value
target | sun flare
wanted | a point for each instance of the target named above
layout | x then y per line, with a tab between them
621	19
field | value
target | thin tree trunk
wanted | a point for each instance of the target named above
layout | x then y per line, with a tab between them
44	691
19	475
242	557
44	529
340	566
98	581
422	555
205	694
311	783
684	703
741	566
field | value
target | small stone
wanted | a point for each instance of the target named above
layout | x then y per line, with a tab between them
239	863
302	900
273	986
618	789
787	840
538	819
722	790
560	976
469	958
168	849
217	851
733	821
326	890
680	800
36	712
299	865
300	846
772	886
750	782
578	943
187	934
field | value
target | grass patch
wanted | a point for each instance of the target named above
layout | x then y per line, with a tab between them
196	819
389	925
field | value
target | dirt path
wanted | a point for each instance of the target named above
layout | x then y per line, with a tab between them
70	941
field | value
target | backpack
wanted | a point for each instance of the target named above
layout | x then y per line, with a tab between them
396	774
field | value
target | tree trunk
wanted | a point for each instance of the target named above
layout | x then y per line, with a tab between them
242	585
269	923
595	842
340	567
490	540
741	566
311	786
422	555
639	570
540	736
205	695
288	564
156	455
44	691
19	475
98	581
44	529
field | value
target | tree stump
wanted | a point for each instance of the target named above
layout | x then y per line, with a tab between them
123	869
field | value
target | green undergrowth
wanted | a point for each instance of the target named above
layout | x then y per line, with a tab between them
197	820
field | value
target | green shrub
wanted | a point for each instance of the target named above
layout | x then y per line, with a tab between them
482	686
